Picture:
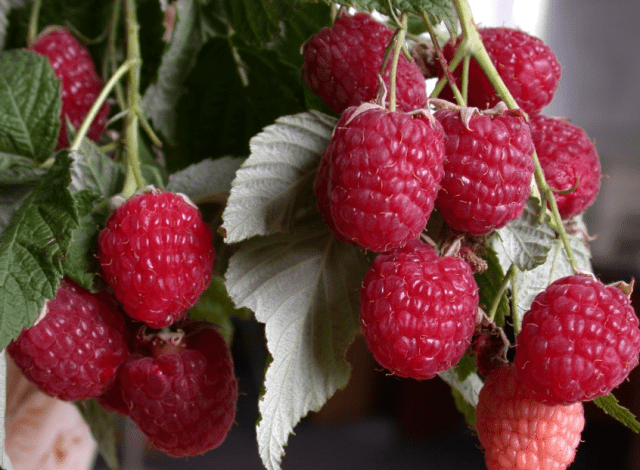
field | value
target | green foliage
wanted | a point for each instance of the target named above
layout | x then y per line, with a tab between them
29	105
610	405
102	426
33	247
489	283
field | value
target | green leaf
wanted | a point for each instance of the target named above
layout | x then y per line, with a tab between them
463	406
465	367
29	105
256	21
531	283
611	406
152	171
527	242
32	248
95	171
10	200
5	462
103	427
489	283
160	99
304	287
206	177
17	170
270	184
80	263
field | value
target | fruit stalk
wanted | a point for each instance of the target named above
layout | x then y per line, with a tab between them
32	32
394	62
133	179
472	44
95	108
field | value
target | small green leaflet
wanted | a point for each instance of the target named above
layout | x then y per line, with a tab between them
611	406
269	185
32	248
304	286
527	242
29	105
102	425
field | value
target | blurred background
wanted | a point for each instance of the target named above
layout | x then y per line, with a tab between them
382	422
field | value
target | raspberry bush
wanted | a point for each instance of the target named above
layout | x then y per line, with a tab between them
188	165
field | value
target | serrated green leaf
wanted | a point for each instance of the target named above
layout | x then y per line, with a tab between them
256	21
102	425
80	264
10	200
206	177
17	170
95	171
160	99
29	105
525	241
610	405
531	283
463	406
282	164
489	283
32	248
304	287
5	462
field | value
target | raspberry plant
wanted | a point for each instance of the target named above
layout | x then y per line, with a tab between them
216	101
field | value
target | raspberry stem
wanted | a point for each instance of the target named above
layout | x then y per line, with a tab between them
110	55
133	179
501	290
32	32
471	45
95	108
399	41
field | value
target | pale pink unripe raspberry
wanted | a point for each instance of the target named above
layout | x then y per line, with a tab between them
520	433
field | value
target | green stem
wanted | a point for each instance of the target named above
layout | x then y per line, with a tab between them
110	55
133	176
32	32
394	62
472	45
501	290
515	316
465	77
95	108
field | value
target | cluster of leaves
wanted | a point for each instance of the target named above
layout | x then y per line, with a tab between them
225	86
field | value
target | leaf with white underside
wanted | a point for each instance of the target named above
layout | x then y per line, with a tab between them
205	177
526	242
304	286
280	170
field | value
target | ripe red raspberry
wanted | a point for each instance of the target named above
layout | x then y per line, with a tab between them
381	175
518	432
418	310
80	82
579	340
527	66
184	397
157	254
567	157
73	352
342	64
487	170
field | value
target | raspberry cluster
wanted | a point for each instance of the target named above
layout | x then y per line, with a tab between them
383	175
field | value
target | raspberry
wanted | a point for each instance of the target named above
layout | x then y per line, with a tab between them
379	177
418	310
520	433
487	170
80	82
527	66
157	254
74	351
342	64
567	157
579	340
184	397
